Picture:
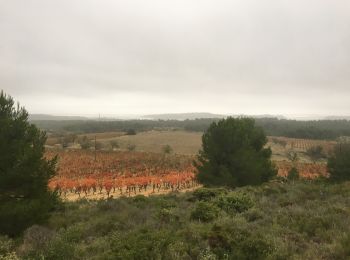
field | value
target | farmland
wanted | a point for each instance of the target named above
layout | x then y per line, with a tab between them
189	143
84	173
119	172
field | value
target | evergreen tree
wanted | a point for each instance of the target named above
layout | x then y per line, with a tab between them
233	154
24	172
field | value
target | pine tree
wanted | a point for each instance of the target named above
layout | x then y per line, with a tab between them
24	172
233	154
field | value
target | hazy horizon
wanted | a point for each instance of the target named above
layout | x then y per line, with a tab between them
73	57
173	115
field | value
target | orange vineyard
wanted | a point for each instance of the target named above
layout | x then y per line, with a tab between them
130	173
124	172
306	170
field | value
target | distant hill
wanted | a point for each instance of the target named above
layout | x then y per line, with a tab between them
201	115
38	117
182	116
337	118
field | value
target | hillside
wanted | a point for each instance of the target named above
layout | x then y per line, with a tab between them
302	220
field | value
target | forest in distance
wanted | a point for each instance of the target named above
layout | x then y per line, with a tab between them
316	129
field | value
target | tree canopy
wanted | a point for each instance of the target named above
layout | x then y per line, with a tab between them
233	154
24	172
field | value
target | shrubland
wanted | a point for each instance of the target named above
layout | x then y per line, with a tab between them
276	220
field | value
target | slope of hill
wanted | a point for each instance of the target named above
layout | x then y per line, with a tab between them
301	220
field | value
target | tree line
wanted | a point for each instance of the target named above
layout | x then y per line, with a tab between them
317	129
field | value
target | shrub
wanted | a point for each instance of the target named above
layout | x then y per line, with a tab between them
293	174
167	216
130	132
233	154
131	147
85	143
234	202
315	153
6	245
206	194
167	149
114	144
339	163
204	211
36	239
59	248
234	240
144	243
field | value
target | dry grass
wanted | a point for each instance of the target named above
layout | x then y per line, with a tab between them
99	136
181	142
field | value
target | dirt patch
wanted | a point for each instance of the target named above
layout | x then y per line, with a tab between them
117	194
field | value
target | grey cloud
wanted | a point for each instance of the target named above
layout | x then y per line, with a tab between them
250	55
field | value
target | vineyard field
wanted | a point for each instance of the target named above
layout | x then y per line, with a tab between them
303	144
120	173
132	173
305	170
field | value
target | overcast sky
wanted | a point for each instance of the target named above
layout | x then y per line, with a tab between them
112	57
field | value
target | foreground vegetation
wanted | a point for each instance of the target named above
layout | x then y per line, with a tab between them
293	220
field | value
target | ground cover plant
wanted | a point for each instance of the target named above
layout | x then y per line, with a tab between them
277	220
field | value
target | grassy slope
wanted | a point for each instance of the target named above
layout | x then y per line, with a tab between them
274	221
181	142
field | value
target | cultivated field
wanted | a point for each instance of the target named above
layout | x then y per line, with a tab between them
80	173
133	173
189	143
147	170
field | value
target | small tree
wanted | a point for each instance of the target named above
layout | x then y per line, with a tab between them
85	143
114	144
131	132
339	163
167	149
233	154
293	157
131	147
24	172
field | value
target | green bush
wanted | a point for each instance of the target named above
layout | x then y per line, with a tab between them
234	202
293	174
167	216
59	248
315	153
206	194
339	163
6	245
204	211
234	240
144	243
